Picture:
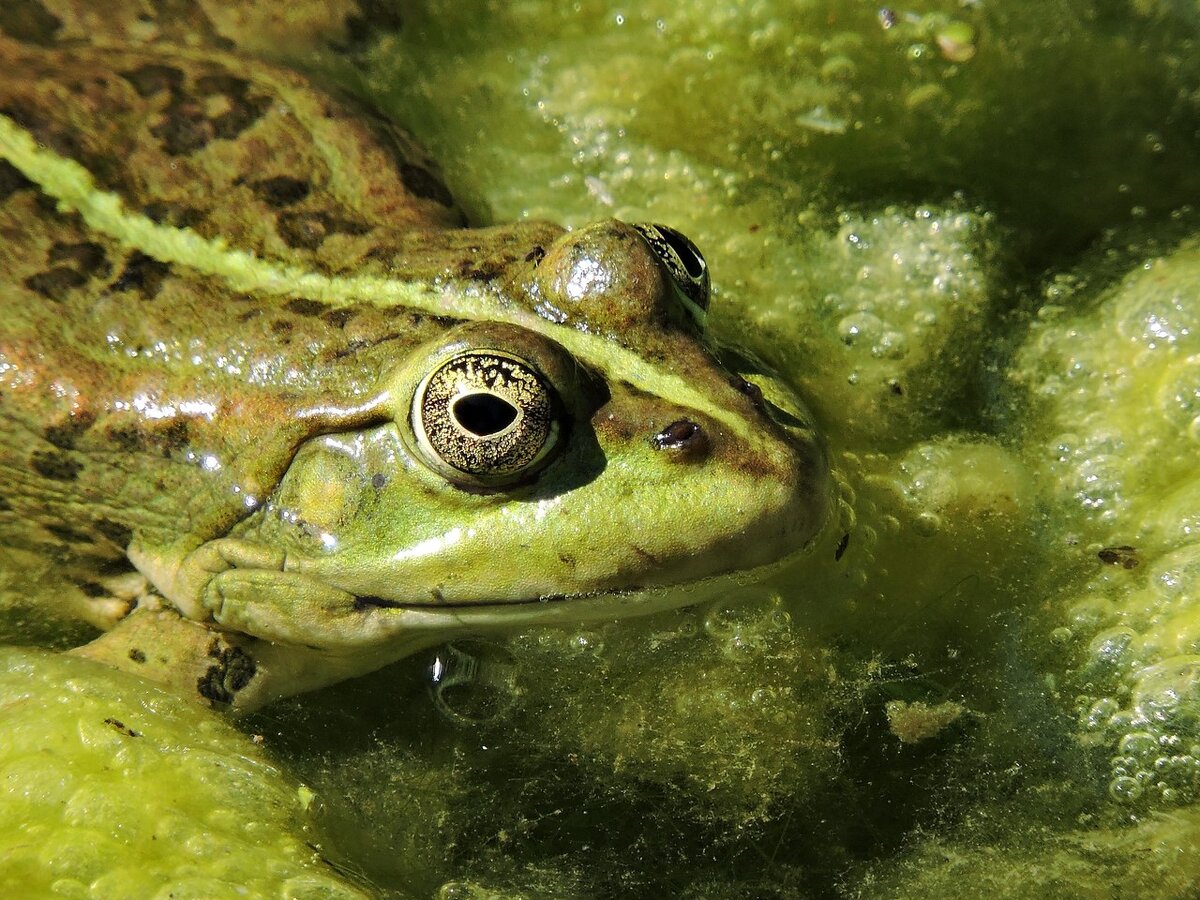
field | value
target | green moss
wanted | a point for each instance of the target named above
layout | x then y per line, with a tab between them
1160	859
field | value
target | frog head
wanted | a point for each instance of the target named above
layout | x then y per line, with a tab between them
600	457
579	451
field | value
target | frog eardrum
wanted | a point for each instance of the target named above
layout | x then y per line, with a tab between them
684	263
486	418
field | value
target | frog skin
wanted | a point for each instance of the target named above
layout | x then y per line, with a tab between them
257	378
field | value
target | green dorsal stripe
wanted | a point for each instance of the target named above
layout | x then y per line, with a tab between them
75	189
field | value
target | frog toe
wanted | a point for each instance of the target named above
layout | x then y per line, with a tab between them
192	582
284	607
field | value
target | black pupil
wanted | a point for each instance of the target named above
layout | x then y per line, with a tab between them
484	414
688	254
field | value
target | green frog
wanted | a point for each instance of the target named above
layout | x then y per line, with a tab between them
272	416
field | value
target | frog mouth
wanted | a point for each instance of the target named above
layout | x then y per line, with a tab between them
557	609
370	602
262	592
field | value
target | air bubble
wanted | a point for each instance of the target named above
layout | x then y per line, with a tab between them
927	524
1138	744
1125	789
473	682
1100	714
859	327
1114	649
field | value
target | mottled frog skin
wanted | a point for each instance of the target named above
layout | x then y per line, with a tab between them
254	372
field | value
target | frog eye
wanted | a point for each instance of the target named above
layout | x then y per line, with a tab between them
684	262
486	418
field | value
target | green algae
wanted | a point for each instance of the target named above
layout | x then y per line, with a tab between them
111	788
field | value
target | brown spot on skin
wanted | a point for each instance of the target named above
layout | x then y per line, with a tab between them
128	438
173	436
11	180
73	266
535	256
308	230
111	567
896	389
184	129
425	184
303	231
137	655
5	506
281	191
64	435
350	349
142	273
302	307
175	214
153	78
1124	556
484	270
245	109
645	555
185	126
55	465
87	257
93	589
119	534
233	670
68	534
338	317
118	725
56	283
372	17
29	21
281	327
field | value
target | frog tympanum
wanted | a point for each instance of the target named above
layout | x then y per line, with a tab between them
258	380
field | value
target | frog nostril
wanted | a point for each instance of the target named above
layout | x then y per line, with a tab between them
683	437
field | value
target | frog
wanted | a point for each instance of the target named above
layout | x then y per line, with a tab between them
273	414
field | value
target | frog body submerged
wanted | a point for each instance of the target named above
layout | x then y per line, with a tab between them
238	327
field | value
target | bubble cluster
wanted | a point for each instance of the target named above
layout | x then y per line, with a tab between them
1111	393
895	322
1112	396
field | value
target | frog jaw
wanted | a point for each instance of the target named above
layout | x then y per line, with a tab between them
247	588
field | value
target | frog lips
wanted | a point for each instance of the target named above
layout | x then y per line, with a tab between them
369	602
558	609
